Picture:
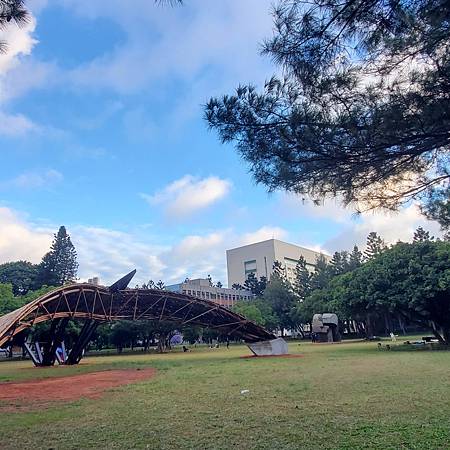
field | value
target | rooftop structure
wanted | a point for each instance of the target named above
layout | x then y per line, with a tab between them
259	258
202	288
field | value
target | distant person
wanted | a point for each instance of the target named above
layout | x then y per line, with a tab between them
185	349
228	343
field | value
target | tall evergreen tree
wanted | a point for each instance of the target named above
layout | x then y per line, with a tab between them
59	265
375	246
420	235
255	286
278	269
339	263
302	282
355	258
322	273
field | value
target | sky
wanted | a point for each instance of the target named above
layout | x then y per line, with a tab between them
102	130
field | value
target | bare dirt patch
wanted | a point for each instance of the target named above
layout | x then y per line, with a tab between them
37	393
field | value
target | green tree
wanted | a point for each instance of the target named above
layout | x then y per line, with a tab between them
410	280
374	246
361	110
420	235
255	286
250	311
59	265
339	263
191	334
302	281
278	269
355	258
21	274
437	207
279	295
123	334
322	273
8	302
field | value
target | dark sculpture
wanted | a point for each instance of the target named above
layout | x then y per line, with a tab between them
96	304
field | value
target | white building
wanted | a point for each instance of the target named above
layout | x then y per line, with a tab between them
201	288
258	258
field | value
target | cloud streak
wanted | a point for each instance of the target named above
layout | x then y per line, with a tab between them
188	195
34	179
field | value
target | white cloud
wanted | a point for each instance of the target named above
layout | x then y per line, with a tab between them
189	194
170	42
33	179
392	227
263	234
20	239
111	254
12	125
197	256
19	40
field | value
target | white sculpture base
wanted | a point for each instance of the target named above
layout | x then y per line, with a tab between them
269	348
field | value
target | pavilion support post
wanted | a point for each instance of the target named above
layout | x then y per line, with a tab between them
56	336
34	356
76	353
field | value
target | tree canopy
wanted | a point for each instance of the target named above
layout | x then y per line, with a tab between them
360	108
412	280
59	265
21	274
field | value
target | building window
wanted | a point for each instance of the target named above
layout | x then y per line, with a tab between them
249	267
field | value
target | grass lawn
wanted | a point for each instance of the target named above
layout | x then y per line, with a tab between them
338	396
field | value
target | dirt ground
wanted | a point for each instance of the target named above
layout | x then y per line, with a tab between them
37	393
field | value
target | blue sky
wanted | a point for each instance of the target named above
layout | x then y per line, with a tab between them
101	130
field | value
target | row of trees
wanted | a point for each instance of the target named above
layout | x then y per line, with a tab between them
58	266
374	291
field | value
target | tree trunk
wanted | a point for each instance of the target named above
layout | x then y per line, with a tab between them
402	325
387	327
436	333
369	326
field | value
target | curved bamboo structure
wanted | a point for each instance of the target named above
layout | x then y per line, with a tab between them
102	304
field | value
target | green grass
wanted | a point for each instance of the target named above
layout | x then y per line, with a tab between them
341	396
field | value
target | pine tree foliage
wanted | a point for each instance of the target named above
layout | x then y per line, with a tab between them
420	235
302	282
322	273
278	269
361	110
255	286
59	265
12	11
355	258
339	263
375	246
